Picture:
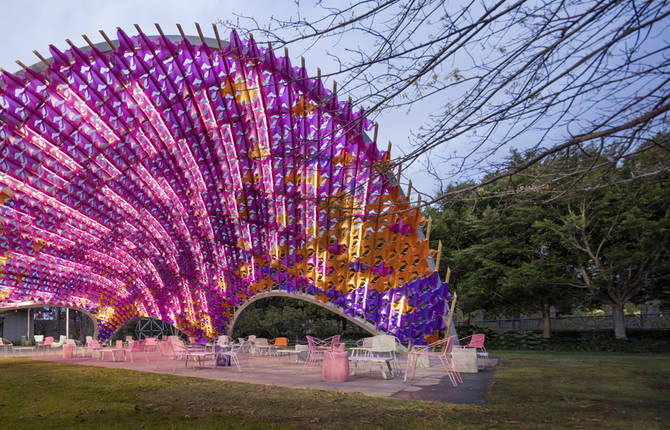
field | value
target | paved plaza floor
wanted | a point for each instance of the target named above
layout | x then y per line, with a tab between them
429	384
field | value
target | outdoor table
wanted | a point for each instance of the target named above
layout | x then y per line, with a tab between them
266	349
383	362
200	357
335	367
6	347
290	352
222	359
68	350
22	348
113	351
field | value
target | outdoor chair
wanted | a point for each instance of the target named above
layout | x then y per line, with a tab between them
39	338
477	342
244	346
440	349
6	346
92	345
235	353
223	340
385	345
138	347
150	344
60	342
46	345
261	346
281	342
174	349
363	347
317	347
178	348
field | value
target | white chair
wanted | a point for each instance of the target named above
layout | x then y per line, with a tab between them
223	340
39	338
60	342
385	345
261	346
364	348
6	346
236	352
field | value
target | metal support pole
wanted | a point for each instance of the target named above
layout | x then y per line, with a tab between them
67	323
28	320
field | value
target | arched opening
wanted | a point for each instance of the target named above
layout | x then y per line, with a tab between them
142	328
294	316
21	323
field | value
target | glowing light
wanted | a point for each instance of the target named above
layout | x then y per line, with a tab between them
177	186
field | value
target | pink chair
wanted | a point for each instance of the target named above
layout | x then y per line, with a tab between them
477	342
94	346
150	344
317	347
443	352
46	345
173	350
137	347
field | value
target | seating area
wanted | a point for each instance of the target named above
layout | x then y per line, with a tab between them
379	363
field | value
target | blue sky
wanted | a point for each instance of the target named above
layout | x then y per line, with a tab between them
34	25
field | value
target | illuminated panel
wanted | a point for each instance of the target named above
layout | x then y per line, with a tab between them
176	181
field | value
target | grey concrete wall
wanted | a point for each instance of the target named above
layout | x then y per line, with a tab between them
16	325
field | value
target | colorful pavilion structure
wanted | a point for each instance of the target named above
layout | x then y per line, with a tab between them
161	177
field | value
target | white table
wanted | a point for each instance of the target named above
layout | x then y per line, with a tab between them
200	357
113	351
289	352
22	348
375	360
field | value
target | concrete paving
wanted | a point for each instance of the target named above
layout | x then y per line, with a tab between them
429	384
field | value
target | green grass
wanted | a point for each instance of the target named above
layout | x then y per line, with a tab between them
530	390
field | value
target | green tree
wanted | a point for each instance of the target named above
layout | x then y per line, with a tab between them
619	241
513	267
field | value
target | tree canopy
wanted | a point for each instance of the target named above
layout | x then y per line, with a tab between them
562	247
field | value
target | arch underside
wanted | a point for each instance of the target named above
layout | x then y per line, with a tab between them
177	181
358	321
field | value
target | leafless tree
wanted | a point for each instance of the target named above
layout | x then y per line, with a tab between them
552	77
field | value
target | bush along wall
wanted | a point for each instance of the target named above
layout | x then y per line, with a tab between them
639	341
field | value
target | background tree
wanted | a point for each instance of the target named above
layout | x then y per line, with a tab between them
511	267
561	246
619	238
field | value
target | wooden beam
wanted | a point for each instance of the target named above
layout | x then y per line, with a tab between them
439	254
430	222
451	316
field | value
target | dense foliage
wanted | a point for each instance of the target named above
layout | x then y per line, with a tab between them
292	318
522	252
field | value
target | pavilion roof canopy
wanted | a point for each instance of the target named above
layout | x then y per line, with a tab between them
175	180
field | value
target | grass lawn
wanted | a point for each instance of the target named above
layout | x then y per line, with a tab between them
530	390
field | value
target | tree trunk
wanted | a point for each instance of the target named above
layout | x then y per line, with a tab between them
467	319
546	321
618	319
